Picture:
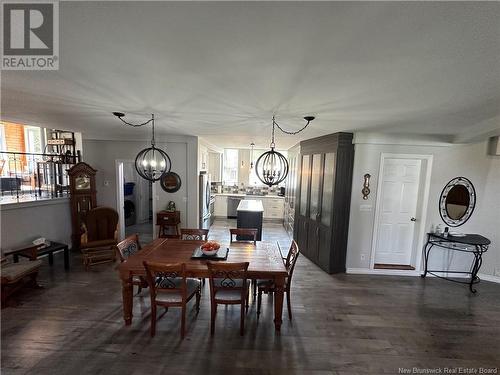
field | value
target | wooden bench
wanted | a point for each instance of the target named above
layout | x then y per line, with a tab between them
16	275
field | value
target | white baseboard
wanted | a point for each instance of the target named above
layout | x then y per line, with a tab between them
493	279
386	272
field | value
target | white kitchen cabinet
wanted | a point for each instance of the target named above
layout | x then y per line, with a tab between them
215	166
203	158
220	206
273	208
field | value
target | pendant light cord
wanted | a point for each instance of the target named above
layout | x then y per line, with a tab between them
290	132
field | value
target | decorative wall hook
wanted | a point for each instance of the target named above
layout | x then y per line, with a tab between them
366	186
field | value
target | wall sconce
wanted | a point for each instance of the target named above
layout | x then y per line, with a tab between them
366	186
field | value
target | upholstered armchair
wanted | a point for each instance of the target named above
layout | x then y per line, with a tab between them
99	238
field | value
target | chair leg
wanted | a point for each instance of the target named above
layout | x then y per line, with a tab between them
183	320
254	285
212	318
139	289
242	318
153	320
198	298
289	304
259	302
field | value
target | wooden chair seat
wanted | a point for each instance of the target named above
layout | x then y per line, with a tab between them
192	286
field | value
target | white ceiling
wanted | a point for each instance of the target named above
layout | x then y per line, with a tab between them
221	70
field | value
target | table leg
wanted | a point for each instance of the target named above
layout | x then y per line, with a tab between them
278	302
427	250
127	294
16	258
51	258
66	258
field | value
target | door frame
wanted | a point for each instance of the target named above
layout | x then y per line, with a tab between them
419	233
120	199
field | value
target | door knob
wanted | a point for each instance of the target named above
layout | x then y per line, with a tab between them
413	219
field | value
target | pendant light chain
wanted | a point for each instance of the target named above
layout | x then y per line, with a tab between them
151	163
308	119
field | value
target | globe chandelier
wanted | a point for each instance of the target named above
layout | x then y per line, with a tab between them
152	162
272	167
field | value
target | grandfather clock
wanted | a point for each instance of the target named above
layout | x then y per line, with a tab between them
83	197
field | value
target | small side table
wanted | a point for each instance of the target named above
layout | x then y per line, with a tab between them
44	250
168	221
470	243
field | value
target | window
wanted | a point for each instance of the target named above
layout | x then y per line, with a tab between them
230	170
33	139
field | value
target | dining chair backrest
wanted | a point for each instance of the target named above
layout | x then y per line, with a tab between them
228	276
249	234
166	278
291	260
194	234
129	246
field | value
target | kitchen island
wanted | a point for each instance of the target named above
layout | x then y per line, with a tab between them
249	215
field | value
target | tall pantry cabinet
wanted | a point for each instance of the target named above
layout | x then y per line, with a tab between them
323	197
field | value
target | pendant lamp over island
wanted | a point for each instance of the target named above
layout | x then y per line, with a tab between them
152	162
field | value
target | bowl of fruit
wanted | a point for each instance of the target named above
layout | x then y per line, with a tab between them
210	248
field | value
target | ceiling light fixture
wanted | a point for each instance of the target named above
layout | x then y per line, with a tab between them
251	154
151	163
272	167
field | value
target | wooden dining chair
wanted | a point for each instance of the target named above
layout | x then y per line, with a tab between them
169	287
129	246
250	234
194	234
267	286
228	286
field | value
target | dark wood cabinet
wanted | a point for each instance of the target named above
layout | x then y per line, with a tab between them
324	196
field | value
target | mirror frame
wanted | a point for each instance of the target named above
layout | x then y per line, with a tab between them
163	181
472	201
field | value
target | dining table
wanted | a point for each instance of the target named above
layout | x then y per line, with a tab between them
265	262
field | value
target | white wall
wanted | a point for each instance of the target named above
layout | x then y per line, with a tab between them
23	222
449	161
103	155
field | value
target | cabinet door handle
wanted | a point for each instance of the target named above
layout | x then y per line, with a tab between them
413	219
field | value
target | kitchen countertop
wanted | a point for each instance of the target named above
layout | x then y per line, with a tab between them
249	196
250	205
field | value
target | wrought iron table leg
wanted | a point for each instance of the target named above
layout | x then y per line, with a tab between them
478	260
427	250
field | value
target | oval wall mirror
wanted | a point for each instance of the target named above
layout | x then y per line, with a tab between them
457	201
170	182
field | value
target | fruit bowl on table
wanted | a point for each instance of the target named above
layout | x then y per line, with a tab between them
210	248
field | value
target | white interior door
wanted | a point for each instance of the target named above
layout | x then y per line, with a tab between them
396	212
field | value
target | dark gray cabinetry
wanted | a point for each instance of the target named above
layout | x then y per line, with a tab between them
323	196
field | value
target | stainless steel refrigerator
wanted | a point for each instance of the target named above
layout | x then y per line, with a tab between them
205	193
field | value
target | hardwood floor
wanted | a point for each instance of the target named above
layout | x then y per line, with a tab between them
343	324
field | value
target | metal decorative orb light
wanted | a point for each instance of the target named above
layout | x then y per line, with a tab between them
272	167
151	163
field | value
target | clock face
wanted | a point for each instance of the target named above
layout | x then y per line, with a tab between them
82	183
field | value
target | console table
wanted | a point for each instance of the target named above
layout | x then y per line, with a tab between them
474	244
